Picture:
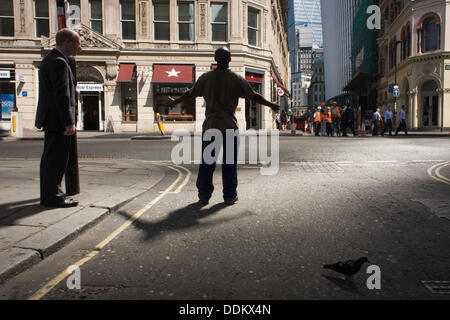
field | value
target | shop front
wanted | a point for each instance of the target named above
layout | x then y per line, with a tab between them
172	81
7	97
253	112
91	108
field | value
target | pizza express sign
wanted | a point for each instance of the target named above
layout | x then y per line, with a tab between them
5	74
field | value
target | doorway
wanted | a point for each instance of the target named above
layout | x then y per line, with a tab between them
90	112
430	105
253	110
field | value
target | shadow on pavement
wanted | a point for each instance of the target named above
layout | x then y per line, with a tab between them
183	218
21	209
344	284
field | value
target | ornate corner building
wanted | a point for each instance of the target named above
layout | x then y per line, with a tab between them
414	53
137	53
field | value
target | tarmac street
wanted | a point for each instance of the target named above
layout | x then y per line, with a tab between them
139	234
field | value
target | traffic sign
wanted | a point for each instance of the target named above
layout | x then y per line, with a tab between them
396	92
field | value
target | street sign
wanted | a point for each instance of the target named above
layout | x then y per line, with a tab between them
396	92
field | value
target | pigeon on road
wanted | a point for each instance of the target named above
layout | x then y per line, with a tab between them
347	268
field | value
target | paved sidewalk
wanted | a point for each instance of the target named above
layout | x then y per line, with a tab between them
30	232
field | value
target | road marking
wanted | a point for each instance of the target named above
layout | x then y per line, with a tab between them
60	277
434	172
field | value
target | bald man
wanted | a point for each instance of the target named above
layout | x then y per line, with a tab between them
56	116
221	88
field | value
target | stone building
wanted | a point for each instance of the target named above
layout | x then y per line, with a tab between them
136	53
414	53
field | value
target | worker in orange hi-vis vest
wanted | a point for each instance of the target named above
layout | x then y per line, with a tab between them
329	121
317	121
337	115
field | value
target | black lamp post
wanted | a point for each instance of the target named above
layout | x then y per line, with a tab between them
395	81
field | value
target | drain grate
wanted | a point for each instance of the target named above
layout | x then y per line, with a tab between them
437	287
319	167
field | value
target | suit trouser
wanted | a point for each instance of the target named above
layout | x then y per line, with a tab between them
402	126
376	123
388	126
229	171
53	165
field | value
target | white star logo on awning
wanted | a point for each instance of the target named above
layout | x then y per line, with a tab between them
173	73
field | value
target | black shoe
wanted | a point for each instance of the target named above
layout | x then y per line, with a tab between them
203	202
66	203
231	202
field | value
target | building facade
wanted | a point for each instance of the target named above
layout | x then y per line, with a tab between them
316	90
337	22
137	53
414	53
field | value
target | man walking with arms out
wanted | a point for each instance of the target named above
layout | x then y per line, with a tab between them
221	88
56	116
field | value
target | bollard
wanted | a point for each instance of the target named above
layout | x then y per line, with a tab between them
16	125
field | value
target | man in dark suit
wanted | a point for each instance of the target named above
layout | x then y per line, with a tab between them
56	116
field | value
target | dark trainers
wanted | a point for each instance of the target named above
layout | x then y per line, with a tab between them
231	202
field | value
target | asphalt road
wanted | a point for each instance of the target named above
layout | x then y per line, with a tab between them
332	199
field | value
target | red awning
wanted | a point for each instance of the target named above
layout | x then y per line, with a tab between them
281	86
173	73
126	72
253	77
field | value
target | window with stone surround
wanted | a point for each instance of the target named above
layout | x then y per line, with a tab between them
253	26
128	19
161	19
6	18
186	20
96	15
41	19
219	21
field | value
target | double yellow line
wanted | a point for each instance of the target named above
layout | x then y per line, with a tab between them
435	172
60	277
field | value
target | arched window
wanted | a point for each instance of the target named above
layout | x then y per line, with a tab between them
392	54
406	42
429	33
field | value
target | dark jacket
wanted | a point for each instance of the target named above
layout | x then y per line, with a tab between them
56	106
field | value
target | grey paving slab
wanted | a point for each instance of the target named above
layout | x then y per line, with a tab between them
55	236
15	260
9	235
38	216
100	169
120	199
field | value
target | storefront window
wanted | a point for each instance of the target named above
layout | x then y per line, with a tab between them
7	97
129	101
184	111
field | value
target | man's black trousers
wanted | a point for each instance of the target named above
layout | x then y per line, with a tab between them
53	165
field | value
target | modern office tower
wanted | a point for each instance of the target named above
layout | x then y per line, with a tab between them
337	19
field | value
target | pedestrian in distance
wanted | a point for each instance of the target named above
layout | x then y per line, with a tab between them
376	118
387	122
402	119
55	114
323	117
284	119
317	121
337	115
278	121
348	121
221	88
329	121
